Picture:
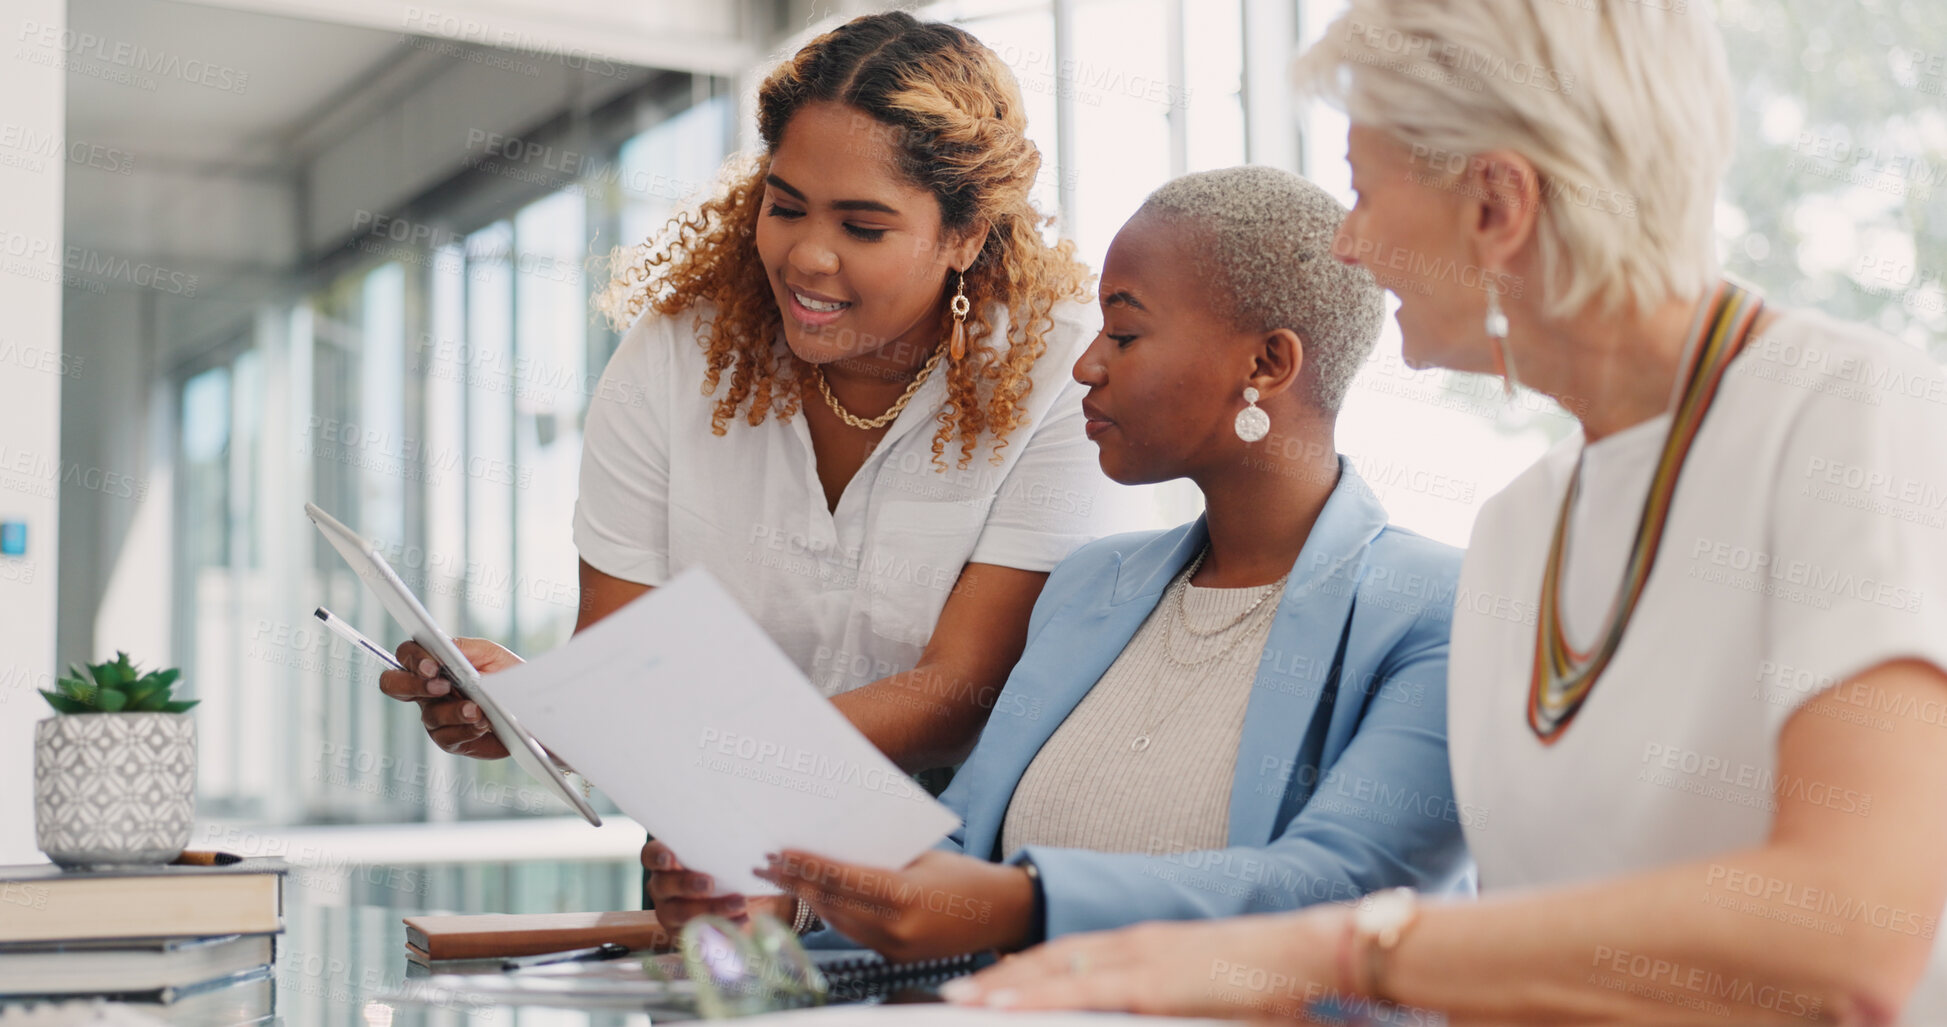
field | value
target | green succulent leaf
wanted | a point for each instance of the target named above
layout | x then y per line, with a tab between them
179	705
63	704
147	694
78	690
117	673
117	685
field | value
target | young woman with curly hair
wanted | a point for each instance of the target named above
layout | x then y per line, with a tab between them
845	393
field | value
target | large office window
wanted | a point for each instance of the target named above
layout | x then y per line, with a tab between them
1130	93
1839	191
431	394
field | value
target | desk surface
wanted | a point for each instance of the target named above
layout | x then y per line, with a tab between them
334	963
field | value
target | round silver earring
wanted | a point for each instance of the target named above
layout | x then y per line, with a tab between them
1252	422
1497	337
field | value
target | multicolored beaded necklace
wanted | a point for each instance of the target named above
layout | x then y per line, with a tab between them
1563	676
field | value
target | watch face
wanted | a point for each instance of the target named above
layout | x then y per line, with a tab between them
1382	910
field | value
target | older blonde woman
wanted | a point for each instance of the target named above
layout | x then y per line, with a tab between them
1699	663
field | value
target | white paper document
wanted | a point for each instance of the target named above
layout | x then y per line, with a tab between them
683	711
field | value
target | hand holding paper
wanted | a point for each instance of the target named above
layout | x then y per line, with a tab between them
683	711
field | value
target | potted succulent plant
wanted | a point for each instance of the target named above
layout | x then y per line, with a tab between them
115	772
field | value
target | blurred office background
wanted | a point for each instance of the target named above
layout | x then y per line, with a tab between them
345	252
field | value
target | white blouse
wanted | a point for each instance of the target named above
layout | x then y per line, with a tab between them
1807	542
851	595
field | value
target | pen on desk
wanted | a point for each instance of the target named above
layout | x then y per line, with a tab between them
351	634
606	950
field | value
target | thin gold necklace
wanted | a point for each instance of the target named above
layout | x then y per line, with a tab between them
1178	600
868	424
1178	588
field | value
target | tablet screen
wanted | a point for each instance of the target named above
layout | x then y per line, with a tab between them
411	615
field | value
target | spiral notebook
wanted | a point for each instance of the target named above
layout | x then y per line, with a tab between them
855	975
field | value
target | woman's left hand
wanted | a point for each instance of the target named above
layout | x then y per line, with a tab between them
943	903
1266	967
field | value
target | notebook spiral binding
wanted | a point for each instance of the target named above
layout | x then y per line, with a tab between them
854	977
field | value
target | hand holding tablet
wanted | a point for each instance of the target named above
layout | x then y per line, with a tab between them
459	666
453	721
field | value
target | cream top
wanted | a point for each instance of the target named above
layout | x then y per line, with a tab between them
1145	762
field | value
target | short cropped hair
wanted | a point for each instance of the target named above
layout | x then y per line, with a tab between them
1265	248
1623	106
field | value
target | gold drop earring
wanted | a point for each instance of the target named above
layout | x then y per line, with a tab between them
957	345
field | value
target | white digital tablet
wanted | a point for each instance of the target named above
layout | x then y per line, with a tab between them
411	615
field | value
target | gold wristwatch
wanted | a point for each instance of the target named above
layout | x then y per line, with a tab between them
1379	922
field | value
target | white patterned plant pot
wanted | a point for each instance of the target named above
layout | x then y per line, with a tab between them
114	789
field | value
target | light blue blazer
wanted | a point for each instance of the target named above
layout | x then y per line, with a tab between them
1341	786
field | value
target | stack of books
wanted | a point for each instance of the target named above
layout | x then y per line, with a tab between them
193	941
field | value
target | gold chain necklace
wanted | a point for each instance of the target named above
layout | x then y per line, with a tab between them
1178	589
868	424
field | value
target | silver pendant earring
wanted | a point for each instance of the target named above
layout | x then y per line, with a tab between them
1252	422
1497	337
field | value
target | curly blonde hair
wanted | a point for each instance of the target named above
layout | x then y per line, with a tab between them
952	112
